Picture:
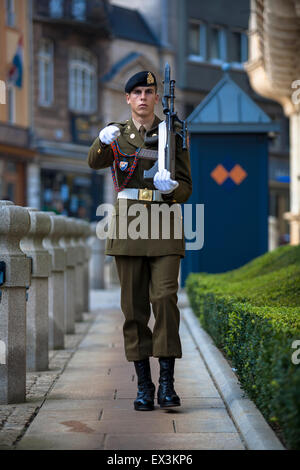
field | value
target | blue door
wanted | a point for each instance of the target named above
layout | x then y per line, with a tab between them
230	177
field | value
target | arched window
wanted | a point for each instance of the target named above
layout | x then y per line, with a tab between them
46	85
82	81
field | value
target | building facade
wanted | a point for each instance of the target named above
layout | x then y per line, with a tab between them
274	72
69	53
15	112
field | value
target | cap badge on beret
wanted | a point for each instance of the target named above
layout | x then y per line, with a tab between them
150	78
144	78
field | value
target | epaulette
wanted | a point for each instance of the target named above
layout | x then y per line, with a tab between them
120	124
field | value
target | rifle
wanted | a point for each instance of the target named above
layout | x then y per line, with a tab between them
167	131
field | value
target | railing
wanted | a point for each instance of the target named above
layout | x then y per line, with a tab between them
44	290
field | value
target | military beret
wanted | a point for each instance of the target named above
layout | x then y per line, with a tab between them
144	78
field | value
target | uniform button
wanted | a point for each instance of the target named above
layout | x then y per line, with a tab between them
132	136
99	151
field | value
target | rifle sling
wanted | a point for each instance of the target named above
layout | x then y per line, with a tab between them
148	154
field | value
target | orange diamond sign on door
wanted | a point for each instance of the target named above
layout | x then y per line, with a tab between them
237	174
229	177
219	174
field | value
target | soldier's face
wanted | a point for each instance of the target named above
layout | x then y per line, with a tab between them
142	101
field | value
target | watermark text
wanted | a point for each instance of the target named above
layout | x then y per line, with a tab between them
154	222
296	354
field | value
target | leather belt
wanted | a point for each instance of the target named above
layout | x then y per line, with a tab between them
140	194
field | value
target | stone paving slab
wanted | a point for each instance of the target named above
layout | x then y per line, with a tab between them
66	441
90	405
15	418
188	441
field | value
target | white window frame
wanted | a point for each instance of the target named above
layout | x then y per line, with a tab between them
11	103
56	8
10	13
79	8
83	93
46	83
203	42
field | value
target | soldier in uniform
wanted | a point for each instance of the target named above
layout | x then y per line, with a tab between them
148	269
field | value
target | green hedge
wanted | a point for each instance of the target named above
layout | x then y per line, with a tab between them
253	315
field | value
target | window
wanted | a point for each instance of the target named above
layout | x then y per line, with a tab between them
236	48
239	50
279	170
82	81
56	8
46	88
197	41
218	45
244	47
10	13
11	104
79	9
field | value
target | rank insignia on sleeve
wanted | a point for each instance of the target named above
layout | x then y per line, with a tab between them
123	165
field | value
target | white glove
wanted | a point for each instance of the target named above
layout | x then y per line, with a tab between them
109	134
163	182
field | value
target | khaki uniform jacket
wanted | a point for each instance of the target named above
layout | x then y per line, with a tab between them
101	156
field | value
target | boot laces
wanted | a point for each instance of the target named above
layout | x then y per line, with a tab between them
147	388
167	385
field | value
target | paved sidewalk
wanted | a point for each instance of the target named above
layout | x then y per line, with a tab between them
91	404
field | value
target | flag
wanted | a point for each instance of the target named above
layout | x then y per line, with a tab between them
15	74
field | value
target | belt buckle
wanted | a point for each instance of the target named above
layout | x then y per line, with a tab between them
145	194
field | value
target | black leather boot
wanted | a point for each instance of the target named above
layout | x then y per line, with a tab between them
166	395
146	388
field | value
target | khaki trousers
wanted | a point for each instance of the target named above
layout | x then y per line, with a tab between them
146	279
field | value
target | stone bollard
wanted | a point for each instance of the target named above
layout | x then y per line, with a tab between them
37	357
56	282
97	259
82	260
86	271
69	281
14	224
78	269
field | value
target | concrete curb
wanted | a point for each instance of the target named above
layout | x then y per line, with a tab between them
251	424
